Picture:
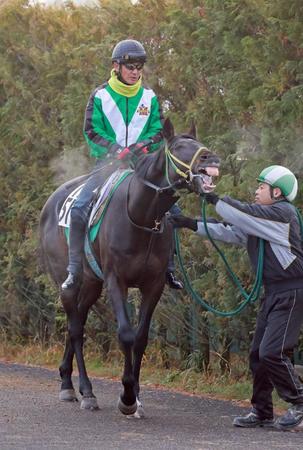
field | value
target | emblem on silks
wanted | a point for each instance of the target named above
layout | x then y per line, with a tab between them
143	110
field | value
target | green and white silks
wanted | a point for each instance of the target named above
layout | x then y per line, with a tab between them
112	117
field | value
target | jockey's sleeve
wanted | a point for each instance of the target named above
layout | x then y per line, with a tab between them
230	234
269	222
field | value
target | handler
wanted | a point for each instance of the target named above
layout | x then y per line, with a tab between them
273	218
122	117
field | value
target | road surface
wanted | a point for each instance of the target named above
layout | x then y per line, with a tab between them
32	418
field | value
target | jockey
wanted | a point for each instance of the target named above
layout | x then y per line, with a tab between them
120	114
273	218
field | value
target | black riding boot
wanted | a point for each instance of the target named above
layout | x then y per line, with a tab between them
75	255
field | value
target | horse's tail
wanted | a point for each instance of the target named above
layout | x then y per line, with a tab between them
41	260
44	265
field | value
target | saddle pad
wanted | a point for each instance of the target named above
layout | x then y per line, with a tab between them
64	214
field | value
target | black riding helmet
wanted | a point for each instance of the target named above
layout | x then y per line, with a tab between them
129	50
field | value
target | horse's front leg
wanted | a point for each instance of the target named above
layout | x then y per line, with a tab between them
150	298
76	318
118	294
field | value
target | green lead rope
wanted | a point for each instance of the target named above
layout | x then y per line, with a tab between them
248	298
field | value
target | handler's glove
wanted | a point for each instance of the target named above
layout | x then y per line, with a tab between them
211	198
180	221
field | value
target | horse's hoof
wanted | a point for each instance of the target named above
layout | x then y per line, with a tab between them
67	395
139	414
127	410
89	403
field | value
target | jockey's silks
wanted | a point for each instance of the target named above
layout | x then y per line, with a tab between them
112	117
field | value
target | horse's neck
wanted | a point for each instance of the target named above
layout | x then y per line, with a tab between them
145	205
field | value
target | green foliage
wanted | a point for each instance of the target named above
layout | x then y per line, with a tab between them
234	67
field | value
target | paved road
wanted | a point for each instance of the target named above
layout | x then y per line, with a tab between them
32	418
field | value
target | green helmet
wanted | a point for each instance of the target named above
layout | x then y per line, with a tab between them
280	177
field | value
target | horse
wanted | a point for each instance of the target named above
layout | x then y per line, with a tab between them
132	248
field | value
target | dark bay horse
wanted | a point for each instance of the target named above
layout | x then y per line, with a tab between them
132	247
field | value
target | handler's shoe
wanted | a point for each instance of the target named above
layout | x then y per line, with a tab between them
172	281
71	282
252	420
291	419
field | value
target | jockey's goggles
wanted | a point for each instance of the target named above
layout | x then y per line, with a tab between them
133	66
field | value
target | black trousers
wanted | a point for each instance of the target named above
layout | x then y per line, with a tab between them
277	332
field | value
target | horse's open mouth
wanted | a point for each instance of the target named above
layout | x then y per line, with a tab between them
206	177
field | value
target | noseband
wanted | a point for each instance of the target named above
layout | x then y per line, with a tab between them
188	175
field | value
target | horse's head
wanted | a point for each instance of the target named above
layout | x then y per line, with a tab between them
190	161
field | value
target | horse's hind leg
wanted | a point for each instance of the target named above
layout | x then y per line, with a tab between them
76	317
127	401
67	392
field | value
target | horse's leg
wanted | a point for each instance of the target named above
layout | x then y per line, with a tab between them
118	294
150	298
77	316
67	392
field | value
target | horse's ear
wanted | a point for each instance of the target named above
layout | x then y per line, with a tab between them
168	130
193	130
